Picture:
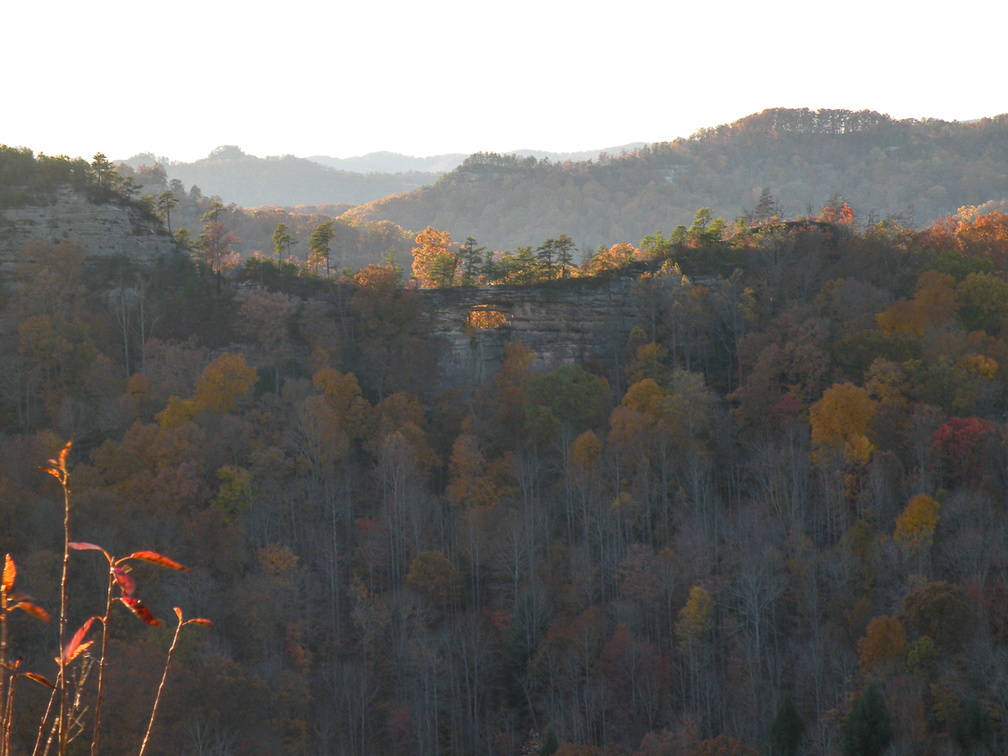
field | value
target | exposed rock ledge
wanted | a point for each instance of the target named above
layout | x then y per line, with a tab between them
106	230
575	321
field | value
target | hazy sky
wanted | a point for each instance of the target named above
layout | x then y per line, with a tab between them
422	78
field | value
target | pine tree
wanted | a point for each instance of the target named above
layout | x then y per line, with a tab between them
471	257
318	245
867	729
786	730
282	239
973	731
550	744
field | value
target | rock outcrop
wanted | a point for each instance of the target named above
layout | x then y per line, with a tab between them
580	320
573	321
106	230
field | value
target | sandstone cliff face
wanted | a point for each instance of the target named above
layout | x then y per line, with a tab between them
105	230
564	322
575	321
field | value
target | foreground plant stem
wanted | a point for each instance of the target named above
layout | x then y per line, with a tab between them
45	718
64	481
101	663
58	469
164	674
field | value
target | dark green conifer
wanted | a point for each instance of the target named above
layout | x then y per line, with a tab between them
550	744
786	730
867	729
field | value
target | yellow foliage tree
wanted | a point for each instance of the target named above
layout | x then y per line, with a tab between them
696	618
648	362
979	364
176	413
338	388
916	524
585	454
512	382
469	484
342	394
933	303
841	421
224	384
402	413
645	396
886	382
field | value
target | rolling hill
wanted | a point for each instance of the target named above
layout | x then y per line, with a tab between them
288	181
912	170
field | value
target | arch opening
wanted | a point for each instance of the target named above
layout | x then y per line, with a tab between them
483	318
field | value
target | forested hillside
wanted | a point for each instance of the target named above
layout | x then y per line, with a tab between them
288	181
142	209
778	525
914	170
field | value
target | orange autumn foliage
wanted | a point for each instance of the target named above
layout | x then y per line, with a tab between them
471	480
933	303
882	646
435	258
984	235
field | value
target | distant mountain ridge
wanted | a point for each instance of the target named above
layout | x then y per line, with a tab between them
911	170
391	162
394	162
289	181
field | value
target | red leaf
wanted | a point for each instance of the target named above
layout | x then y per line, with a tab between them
53	471
82	546
200	621
76	645
154	558
34	610
141	611
9	573
126	584
39	679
